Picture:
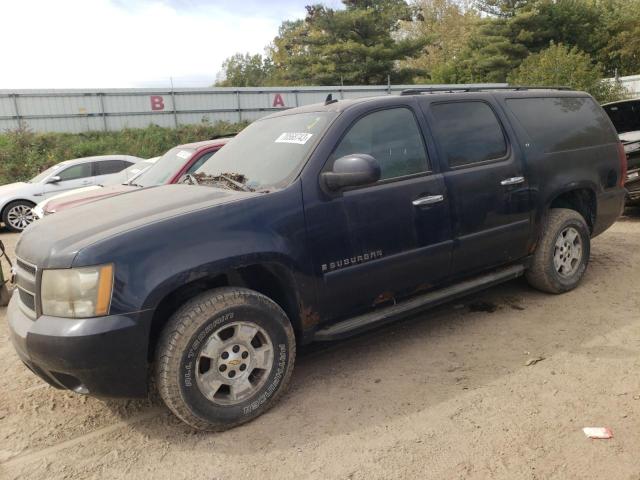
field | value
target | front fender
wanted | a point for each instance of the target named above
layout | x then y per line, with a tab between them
154	259
167	285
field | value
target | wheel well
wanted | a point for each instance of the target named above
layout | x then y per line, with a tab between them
582	200
14	201
268	280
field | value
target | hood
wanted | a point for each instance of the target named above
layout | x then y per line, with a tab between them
54	241
12	188
80	198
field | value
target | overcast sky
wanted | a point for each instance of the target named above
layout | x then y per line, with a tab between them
132	43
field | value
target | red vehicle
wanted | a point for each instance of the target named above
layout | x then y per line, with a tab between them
170	168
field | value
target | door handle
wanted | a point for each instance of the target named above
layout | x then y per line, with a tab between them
512	181
430	200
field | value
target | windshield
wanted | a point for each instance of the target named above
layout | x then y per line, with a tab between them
165	168
41	176
129	173
267	154
625	116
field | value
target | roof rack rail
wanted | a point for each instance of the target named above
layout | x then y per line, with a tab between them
418	91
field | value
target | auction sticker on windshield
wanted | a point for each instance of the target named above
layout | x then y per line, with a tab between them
183	154
294	137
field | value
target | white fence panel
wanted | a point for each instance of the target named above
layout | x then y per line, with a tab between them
115	109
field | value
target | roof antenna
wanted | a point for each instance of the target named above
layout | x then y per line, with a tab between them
329	100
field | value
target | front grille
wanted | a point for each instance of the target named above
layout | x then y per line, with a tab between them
27	267
26	282
27	299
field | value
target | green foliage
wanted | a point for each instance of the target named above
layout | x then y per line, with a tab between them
439	41
446	26
358	45
24	153
560	65
621	50
501	8
608	31
245	71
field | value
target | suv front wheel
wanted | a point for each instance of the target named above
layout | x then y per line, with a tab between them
224	358
562	254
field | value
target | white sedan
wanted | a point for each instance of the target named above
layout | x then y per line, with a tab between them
124	177
18	199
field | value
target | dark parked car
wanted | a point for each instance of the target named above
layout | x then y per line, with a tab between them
625	115
314	224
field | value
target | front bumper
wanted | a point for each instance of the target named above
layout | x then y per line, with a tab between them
104	356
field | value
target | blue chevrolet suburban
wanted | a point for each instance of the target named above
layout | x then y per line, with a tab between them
314	223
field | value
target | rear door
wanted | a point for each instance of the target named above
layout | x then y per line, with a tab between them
486	181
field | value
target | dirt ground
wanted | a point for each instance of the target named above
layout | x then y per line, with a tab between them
447	394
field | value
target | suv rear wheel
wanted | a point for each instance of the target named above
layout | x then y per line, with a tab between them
224	358
562	255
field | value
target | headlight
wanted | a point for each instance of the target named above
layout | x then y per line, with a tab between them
77	292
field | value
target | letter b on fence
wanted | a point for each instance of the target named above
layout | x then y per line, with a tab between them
157	102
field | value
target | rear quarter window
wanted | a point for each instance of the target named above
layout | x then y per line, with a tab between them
563	123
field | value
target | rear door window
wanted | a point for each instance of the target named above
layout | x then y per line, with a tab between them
468	133
563	123
392	137
108	167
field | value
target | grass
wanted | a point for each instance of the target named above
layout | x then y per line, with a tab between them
24	153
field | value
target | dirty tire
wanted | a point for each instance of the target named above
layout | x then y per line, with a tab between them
543	274
195	331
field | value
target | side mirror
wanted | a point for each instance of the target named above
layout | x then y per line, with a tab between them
352	171
54	179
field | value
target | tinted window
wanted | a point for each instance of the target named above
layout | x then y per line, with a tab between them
198	163
468	132
564	123
392	137
625	116
108	167
77	171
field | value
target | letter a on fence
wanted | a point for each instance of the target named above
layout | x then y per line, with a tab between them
278	101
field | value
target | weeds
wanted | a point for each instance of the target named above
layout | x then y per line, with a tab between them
24	153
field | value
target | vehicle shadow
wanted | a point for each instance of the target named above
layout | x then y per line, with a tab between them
395	371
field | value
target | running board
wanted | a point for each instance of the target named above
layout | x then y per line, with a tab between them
373	319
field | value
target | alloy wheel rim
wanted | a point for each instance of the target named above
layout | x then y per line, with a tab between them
234	363
20	217
567	254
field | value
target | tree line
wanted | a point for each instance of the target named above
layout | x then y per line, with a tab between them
534	42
